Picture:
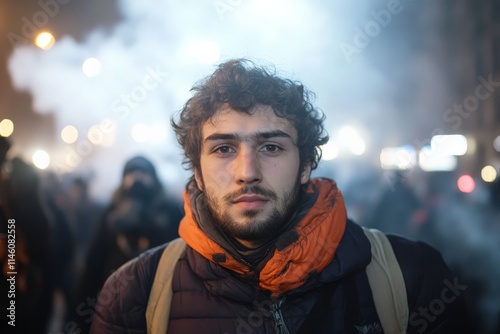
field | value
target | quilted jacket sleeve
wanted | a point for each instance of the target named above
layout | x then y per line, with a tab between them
436	296
122	302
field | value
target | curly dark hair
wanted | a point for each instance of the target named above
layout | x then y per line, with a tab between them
240	84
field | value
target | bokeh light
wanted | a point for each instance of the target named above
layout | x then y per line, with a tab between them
488	173
329	151
357	146
402	158
466	184
6	127
432	161
158	133
496	144
69	134
349	137
41	159
45	40
91	67
449	144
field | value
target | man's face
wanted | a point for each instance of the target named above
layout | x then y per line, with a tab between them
250	171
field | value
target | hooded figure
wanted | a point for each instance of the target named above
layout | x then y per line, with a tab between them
140	216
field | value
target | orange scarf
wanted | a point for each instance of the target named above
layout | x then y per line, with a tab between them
320	232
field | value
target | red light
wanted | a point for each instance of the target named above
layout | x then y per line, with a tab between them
466	184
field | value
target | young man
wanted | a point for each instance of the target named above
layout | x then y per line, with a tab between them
270	250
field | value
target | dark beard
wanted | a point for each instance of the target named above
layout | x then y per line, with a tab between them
261	230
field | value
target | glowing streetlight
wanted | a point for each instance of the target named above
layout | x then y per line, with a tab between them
449	144
6	127
41	159
69	134
488	174
45	40
349	137
91	67
330	150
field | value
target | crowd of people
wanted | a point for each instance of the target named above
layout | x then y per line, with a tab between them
67	243
464	227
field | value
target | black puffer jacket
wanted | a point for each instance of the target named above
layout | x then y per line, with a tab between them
210	299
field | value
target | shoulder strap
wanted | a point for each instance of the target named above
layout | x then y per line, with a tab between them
160	297
387	284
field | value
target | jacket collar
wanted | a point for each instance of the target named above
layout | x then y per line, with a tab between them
303	251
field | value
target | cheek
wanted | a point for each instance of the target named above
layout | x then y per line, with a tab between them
282	175
219	173
215	178
288	170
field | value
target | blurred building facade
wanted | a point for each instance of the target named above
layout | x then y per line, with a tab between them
472	35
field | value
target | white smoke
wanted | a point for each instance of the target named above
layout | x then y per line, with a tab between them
152	58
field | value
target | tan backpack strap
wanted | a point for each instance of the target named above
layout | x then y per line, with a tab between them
160	297
387	284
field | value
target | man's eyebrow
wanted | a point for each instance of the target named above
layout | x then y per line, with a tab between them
222	136
271	134
258	135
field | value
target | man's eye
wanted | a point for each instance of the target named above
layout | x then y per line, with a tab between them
271	148
224	150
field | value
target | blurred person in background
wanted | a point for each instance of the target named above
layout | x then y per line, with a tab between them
85	213
20	200
398	210
140	216
55	201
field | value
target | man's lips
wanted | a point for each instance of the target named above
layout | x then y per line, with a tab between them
250	202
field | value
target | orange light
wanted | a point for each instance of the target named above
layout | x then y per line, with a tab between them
45	40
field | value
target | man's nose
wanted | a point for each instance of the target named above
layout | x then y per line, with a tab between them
248	169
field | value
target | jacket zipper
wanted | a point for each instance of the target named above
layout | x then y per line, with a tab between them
278	318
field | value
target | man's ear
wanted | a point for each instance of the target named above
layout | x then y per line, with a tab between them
198	179
305	174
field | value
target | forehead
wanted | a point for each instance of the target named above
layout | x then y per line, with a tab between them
260	119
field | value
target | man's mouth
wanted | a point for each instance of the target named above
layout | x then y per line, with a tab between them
250	202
